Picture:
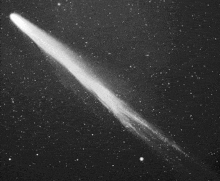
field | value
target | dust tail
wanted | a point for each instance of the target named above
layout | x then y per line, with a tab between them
78	69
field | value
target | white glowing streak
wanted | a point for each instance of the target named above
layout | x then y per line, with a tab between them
128	117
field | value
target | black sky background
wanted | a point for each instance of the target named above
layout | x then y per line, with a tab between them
162	57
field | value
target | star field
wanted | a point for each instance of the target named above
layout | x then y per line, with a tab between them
161	56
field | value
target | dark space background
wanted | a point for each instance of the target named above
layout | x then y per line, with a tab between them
160	56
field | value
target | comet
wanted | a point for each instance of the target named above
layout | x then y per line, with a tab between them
128	117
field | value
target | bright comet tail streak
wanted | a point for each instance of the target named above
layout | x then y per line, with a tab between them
122	111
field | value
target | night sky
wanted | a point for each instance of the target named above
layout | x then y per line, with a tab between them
160	56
